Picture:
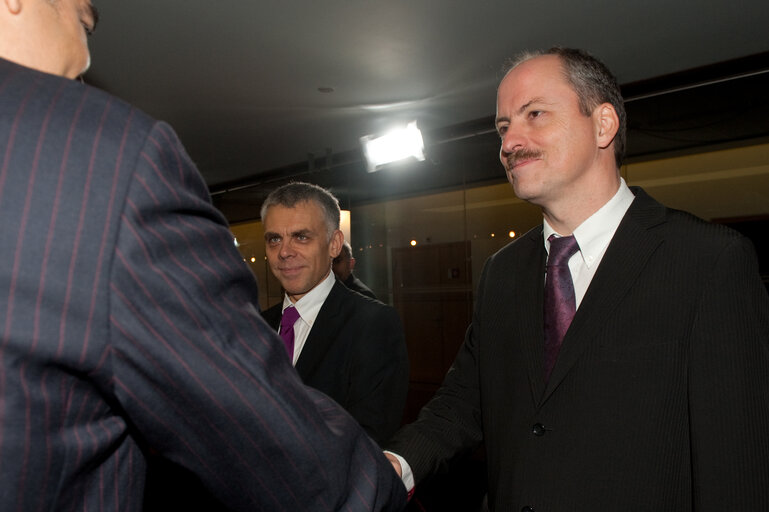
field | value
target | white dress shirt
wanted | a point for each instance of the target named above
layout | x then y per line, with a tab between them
593	237
308	308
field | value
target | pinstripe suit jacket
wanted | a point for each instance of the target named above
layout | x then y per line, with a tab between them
127	323
659	399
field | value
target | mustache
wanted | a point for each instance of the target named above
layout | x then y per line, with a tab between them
522	154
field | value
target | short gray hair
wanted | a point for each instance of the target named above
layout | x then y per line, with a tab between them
297	192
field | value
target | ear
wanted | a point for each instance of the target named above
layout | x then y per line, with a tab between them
335	245
14	6
606	124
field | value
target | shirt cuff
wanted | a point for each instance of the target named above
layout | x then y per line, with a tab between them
407	476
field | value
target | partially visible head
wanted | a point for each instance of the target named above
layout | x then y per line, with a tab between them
593	83
302	236
48	35
344	263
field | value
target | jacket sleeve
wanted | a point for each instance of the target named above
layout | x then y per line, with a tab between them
729	385
200	375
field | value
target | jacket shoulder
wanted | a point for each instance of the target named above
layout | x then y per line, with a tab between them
351	298
678	226
48	94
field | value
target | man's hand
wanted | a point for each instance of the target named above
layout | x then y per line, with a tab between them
395	463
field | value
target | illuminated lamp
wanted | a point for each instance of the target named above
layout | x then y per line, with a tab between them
393	146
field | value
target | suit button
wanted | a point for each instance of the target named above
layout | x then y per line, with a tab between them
538	429
527	509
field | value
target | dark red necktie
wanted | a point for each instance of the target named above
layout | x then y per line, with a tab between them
287	321
560	303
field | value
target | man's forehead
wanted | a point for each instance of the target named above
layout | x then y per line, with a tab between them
533	82
534	71
302	216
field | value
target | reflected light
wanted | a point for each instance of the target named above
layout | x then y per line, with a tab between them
395	145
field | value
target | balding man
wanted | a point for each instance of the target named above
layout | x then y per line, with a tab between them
618	356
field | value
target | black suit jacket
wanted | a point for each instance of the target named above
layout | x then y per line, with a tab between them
129	325
356	285
659	399
356	354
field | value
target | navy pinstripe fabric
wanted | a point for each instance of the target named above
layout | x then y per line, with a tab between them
128	324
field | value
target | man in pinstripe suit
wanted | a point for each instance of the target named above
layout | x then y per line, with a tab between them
127	317
657	395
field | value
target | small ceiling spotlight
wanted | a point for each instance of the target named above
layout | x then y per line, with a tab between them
395	145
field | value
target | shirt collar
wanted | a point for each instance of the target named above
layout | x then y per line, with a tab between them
309	305
595	233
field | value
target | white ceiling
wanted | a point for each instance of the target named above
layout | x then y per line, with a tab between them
239	79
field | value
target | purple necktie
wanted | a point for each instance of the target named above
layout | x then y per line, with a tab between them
287	321
560	303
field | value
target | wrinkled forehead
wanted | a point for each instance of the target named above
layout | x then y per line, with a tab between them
303	215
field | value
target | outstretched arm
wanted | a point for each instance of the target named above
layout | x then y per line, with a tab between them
201	376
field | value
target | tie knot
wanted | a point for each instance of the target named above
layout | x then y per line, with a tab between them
561	249
289	318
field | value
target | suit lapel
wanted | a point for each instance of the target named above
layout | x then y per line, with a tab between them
323	333
625	258
273	315
526	310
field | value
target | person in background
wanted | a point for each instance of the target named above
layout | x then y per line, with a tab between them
128	321
343	266
618	355
346	345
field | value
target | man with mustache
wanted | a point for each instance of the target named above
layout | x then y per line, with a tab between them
618	356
